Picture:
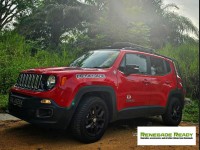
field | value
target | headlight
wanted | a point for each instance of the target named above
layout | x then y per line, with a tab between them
51	81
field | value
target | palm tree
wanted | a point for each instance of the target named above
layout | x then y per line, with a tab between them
167	26
180	27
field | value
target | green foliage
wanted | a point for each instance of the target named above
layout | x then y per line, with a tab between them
3	102
165	25
49	21
191	112
13	9
115	22
17	55
147	22
187	56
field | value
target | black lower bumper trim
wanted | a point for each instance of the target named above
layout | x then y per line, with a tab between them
46	115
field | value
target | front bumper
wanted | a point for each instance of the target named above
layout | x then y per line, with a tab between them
30	109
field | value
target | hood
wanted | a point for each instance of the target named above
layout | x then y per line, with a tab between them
55	70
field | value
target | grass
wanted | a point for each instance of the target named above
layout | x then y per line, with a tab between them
3	102
190	112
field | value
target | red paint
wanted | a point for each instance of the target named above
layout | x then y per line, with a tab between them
142	90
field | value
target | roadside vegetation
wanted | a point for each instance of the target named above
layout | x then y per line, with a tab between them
52	33
3	103
187	56
16	54
191	112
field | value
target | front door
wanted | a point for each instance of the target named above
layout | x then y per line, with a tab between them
133	89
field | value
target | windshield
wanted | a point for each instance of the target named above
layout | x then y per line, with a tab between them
96	59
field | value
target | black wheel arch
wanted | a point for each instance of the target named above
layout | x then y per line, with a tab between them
106	93
177	93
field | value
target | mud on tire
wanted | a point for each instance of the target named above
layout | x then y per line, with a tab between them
90	120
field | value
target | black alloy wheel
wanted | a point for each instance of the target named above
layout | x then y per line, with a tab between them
173	113
90	120
176	112
95	120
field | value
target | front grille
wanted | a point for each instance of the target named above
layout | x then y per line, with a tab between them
30	81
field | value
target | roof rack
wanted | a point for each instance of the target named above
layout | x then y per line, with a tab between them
131	46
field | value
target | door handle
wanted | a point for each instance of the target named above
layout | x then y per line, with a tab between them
145	81
168	82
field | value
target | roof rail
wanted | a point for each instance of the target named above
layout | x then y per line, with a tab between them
131	46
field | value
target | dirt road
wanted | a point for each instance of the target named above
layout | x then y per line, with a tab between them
20	135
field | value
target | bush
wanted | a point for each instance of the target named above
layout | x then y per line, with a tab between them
191	112
3	102
187	56
17	55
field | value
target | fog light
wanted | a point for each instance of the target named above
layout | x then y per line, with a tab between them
45	101
44	112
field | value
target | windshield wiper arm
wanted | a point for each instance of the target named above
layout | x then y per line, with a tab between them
101	67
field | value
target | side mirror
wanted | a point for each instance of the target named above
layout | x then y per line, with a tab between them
131	69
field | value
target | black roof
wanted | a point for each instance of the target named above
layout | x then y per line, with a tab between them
131	46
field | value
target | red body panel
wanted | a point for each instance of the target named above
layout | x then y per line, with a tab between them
133	90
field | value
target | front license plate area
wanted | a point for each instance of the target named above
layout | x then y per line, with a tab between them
16	101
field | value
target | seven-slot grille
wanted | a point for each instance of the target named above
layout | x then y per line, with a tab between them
30	81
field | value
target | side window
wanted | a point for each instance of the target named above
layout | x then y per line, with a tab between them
168	66
135	59
157	66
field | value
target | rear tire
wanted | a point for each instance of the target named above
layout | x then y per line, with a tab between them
90	120
173	114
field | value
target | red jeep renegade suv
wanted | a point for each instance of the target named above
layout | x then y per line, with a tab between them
100	87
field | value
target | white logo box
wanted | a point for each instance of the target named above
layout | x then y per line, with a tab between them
166	135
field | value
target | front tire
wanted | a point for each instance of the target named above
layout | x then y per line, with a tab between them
173	114
90	120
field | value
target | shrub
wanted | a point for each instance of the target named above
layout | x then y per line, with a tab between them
187	56
16	55
191	112
3	102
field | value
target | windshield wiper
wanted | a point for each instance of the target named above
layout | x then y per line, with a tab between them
101	67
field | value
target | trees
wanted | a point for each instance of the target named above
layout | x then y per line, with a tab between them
146	22
51	20
102	22
12	9
115	21
165	26
178	28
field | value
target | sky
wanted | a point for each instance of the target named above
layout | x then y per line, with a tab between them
187	8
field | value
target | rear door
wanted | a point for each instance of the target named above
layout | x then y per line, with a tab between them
161	79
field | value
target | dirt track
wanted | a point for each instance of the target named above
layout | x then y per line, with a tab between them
121	135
